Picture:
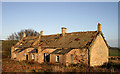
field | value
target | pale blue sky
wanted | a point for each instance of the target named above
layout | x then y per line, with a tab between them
51	16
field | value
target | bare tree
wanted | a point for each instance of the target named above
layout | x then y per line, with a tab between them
19	35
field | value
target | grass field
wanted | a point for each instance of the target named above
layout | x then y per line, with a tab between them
114	52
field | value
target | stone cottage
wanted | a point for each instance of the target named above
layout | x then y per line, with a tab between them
88	47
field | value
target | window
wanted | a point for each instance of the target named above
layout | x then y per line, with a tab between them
15	55
26	57
44	57
16	49
33	56
57	58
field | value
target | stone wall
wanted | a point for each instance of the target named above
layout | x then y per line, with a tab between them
41	54
61	58
12	54
79	56
83	56
22	55
73	52
98	52
30	57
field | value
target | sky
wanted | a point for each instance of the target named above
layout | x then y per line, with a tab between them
51	16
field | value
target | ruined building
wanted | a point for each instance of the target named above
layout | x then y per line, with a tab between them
88	47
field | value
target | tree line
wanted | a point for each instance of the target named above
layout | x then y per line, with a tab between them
19	35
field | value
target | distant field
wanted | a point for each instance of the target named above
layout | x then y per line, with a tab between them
0	45
6	47
113	52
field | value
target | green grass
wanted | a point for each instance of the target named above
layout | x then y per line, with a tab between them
114	52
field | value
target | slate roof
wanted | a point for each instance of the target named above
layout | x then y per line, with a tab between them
61	51
69	40
34	51
27	42
19	50
16	50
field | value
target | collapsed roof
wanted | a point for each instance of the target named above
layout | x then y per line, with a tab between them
69	40
61	51
63	40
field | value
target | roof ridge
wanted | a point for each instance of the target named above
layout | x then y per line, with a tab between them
31	36
82	32
50	35
60	33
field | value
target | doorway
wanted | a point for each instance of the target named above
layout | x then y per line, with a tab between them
26	57
57	58
71	59
46	57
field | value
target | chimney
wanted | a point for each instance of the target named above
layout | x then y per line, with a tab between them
24	35
99	27
41	33
64	30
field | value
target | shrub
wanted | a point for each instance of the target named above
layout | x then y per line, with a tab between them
31	62
74	65
111	65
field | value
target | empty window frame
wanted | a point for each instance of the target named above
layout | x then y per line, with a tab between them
33	56
57	58
15	55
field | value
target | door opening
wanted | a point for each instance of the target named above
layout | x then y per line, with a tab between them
26	57
71	59
46	57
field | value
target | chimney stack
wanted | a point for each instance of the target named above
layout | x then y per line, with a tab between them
99	27
24	35
41	33
64	30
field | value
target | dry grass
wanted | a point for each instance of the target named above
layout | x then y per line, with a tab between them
9	65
